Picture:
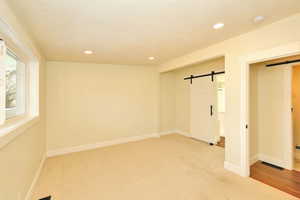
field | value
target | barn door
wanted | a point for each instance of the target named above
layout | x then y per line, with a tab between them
204	123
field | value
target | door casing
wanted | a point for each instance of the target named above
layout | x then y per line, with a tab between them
245	62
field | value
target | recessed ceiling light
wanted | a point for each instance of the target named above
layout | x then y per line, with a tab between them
258	19
218	26
151	58
88	52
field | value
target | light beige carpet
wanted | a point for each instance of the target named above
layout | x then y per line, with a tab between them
172	167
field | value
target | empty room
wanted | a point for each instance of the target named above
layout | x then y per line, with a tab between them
161	99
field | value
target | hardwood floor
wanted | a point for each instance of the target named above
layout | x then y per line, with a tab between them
297	165
284	180
221	143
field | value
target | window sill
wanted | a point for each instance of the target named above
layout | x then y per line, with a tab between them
15	127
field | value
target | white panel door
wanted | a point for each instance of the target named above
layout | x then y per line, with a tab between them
204	122
274	116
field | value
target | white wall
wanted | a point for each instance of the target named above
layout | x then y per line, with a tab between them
167	102
91	103
21	158
221	118
176	94
279	33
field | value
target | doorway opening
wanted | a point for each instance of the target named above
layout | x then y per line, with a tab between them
207	107
221	108
186	108
274	87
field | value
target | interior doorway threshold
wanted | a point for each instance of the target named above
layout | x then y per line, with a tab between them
285	180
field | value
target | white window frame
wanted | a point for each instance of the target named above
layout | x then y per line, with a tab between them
21	76
11	128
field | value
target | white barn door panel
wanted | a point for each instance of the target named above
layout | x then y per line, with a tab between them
204	122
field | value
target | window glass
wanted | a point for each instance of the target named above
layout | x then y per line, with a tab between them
11	81
14	101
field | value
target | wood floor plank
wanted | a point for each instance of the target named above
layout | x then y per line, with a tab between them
284	180
221	143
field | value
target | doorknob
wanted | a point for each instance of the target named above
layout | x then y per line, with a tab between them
211	110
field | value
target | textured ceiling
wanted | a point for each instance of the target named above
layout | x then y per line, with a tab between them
129	31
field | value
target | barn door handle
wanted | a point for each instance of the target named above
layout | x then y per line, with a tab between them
211	110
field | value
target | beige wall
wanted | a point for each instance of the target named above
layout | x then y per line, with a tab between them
167	102
175	93
296	104
21	158
253	134
90	103
279	33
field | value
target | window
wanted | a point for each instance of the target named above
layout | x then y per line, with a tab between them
19	85
14	86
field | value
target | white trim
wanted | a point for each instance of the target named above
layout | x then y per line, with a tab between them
8	31
14	126
86	147
254	159
35	179
272	160
167	132
268	159
274	53
11	131
289	140
175	132
3	51
213	140
186	134
234	168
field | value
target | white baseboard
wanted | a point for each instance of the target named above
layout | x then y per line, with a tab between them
254	159
168	132
174	132
272	160
186	134
86	147
35	179
268	159
183	133
216	140
234	168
